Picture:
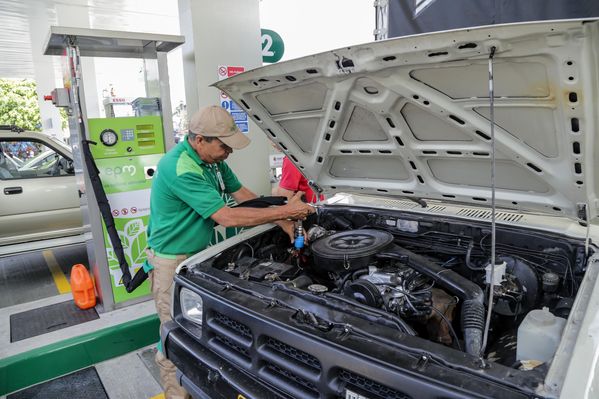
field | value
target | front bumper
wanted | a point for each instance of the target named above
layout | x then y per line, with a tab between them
259	351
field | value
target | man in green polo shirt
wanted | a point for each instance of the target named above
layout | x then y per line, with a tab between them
187	200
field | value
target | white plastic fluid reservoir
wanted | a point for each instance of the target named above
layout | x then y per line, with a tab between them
498	273
539	335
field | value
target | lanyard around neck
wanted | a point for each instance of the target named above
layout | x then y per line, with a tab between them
219	177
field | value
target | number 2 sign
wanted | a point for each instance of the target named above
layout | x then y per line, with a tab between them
272	46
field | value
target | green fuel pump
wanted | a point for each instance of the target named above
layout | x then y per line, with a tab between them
126	154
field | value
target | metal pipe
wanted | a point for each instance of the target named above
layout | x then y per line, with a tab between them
381	15
493	238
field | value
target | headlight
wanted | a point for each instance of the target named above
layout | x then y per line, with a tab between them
191	306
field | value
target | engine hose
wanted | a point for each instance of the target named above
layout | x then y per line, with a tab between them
352	276
342	223
468	262
473	310
473	324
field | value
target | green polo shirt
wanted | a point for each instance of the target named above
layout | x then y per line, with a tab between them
185	193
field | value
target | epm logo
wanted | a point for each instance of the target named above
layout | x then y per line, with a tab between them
128	170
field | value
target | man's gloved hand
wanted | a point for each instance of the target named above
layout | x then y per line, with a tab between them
296	209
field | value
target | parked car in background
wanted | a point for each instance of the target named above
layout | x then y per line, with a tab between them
394	295
38	193
43	160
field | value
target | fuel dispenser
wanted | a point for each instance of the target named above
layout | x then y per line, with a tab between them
126	154
126	150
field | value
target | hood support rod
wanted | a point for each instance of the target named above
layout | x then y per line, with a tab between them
491	287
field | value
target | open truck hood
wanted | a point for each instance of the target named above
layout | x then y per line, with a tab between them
410	116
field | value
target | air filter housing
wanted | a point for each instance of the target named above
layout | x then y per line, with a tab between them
349	250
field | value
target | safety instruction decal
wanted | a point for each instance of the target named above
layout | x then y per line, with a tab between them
127	183
240	117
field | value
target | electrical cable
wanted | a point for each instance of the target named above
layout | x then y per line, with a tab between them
455	246
451	330
251	248
448	263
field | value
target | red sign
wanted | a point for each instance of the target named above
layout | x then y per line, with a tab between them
234	70
226	71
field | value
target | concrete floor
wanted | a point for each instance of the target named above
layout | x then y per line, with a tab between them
132	376
36	275
40	278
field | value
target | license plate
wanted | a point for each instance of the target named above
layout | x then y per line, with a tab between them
353	395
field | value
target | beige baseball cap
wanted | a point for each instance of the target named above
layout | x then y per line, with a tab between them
215	121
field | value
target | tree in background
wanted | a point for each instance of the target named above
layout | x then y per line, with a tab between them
18	104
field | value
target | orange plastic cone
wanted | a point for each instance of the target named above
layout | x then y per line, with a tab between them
82	287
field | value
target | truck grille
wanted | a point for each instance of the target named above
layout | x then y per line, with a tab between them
233	325
290	382
293	354
372	389
288	368
232	345
230	338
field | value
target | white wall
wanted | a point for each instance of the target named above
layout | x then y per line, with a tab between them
224	32
313	26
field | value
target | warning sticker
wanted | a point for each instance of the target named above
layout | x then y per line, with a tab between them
234	106
240	117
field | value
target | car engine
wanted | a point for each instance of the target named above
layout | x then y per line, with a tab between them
430	276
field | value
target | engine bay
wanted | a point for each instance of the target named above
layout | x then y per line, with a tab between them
431	275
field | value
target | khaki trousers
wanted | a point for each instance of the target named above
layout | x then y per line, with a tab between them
161	284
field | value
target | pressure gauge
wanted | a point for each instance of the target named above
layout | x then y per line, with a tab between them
108	137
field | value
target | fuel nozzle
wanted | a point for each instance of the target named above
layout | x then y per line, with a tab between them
298	242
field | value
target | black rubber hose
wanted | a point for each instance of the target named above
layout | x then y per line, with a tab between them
342	223
353	276
468	262
473	310
473	325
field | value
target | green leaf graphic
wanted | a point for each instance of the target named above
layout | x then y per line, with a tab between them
124	240
138	246
133	228
112	260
